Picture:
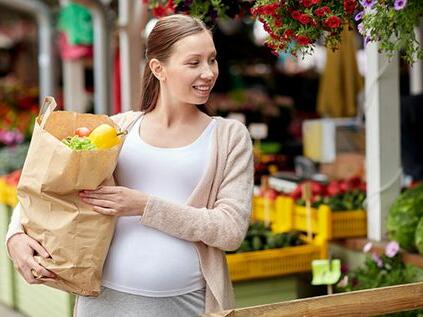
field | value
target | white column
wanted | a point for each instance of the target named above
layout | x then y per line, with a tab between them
382	139
74	95
75	98
132	17
416	71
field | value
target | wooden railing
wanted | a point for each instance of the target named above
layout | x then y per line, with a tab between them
372	302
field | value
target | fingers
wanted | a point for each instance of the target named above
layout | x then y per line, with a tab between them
99	202
26	271
23	259
38	248
105	211
29	277
38	270
105	190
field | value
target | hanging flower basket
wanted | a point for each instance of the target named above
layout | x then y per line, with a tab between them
207	10
391	23
296	25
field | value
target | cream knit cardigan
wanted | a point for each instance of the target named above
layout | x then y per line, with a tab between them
217	213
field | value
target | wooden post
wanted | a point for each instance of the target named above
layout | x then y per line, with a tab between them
382	138
132	18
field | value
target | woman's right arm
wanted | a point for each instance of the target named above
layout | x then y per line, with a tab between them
21	249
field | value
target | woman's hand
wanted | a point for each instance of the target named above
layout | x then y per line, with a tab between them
115	200
22	249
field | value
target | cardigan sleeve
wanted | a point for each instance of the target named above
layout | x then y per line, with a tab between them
14	225
225	225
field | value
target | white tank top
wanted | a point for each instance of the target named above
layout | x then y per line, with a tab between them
143	260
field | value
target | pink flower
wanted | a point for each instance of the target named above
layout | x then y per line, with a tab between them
343	282
377	259
392	249
367	247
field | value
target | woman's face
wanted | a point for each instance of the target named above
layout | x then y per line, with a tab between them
192	69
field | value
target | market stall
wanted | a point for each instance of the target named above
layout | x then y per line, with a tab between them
324	186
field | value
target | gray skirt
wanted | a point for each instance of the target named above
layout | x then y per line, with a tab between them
111	303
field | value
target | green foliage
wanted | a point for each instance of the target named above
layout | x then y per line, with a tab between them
259	237
351	200
381	271
206	10
394	29
418	236
12	158
403	217
370	275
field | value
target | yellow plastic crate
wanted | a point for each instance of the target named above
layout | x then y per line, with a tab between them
8	194
275	262
326	223
263	209
3	190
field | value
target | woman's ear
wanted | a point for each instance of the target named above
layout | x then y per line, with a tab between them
157	69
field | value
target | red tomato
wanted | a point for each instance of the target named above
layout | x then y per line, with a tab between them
333	188
83	131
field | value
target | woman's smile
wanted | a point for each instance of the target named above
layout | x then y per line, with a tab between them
202	90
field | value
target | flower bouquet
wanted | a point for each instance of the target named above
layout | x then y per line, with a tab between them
391	23
294	26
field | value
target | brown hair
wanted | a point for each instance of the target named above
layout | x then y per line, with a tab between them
165	34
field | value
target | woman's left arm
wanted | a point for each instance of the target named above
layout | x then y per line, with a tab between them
224	226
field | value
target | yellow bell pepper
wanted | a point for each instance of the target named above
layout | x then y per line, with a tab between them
105	136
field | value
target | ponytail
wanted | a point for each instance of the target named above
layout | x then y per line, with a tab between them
149	91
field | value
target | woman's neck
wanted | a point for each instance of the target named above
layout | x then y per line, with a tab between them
169	114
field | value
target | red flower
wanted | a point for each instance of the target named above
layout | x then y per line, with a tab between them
306	3
304	19
278	22
159	11
296	14
349	6
288	33
302	40
321	12
333	22
309	3
268	9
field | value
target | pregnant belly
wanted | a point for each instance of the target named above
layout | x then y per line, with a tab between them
146	261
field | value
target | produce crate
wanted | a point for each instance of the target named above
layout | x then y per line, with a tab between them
328	224
8	193
7	272
275	262
42	301
263	209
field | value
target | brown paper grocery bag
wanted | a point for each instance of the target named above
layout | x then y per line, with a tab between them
76	237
